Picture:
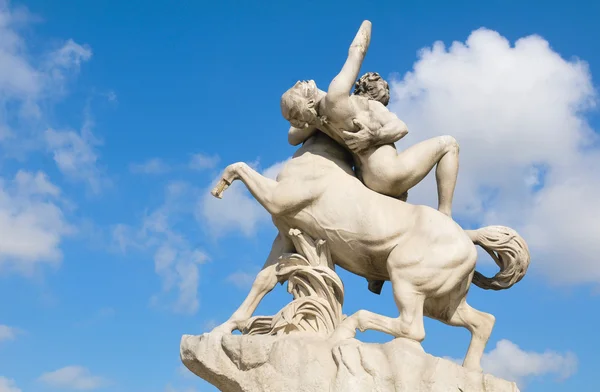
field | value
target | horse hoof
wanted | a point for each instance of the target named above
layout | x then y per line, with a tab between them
218	190
215	192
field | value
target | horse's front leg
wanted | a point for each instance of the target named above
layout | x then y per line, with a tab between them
265	282
261	187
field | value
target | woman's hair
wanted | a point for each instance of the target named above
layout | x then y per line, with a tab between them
372	86
298	102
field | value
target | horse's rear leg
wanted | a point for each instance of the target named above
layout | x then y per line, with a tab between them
409	325
480	325
265	282
410	304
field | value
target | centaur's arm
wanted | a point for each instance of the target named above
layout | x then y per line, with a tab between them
300	135
341	85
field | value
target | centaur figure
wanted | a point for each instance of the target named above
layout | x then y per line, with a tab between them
428	258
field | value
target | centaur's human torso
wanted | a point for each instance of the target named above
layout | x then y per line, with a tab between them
360	226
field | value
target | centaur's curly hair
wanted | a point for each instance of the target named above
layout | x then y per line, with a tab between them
372	86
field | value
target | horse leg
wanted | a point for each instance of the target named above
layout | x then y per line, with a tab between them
480	325
265	282
277	198
409	325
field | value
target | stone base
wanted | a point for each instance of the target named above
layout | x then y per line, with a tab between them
308	363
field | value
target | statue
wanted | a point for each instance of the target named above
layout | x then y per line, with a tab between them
327	214
340	115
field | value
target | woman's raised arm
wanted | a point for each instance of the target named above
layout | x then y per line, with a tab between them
344	81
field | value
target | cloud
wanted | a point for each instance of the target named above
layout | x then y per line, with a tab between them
151	166
202	161
8	333
273	171
32	222
241	280
528	156
64	62
177	265
33	78
18	78
75	154
73	377
70	56
31	82
510	362
207	326
237	211
8	385
176	261
29	79
111	96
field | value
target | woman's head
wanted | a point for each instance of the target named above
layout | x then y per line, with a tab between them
372	86
298	104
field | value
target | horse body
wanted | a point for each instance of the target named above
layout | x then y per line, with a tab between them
362	227
428	257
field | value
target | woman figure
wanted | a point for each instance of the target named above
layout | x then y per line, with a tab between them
369	130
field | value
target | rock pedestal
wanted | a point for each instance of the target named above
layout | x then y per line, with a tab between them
308	363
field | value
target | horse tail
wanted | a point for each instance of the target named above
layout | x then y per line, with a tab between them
510	252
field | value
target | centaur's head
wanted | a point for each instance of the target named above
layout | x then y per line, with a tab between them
298	104
372	86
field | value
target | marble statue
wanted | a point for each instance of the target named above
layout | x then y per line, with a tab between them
318	292
341	201
339	115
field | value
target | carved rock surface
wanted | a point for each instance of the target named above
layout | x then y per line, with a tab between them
306	363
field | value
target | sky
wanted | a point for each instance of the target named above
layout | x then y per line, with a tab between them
117	117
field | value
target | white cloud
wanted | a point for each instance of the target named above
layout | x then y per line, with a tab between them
18	78
8	333
177	265
202	161
73	377
176	261
510	362
8	385
30	83
75	156
111	96
123	238
28	79
151	166
32	79
64	62
31	221
70	55
273	171
528	156
241	279
207	326
237	210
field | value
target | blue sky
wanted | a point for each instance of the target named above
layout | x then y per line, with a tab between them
118	116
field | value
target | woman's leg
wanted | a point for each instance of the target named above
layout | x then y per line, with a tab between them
414	163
